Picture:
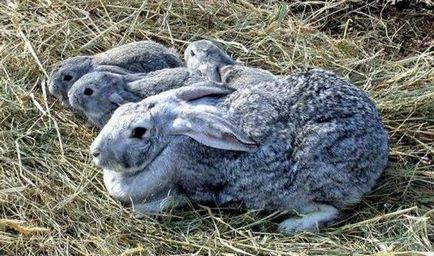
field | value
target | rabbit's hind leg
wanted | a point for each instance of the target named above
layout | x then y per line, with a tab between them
312	220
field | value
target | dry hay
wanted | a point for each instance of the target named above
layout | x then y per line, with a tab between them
52	200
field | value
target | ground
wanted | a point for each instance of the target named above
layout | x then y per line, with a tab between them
53	202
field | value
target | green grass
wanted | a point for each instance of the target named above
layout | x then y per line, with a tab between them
48	180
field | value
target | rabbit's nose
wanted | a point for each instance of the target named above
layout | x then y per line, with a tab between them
65	103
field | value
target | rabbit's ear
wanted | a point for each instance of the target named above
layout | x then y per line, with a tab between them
214	73
189	93
117	98
134	77
211	130
202	89
112	69
122	97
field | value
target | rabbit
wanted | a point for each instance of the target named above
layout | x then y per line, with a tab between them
98	94
207	58
212	62
142	56
311	143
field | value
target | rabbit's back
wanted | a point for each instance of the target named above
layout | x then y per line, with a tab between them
143	56
312	97
321	139
237	76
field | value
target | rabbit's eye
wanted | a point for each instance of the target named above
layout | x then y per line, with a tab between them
229	78
88	91
138	132
192	53
67	78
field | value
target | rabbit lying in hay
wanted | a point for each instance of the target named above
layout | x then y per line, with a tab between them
311	143
143	56
213	63
98	94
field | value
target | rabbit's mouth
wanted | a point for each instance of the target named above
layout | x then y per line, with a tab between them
101	117
146	164
65	102
125	166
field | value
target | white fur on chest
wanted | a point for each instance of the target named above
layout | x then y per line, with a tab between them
142	186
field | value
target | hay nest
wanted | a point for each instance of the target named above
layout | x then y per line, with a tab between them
52	200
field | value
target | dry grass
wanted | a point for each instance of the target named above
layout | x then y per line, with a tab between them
52	200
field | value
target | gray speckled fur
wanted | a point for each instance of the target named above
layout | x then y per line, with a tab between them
111	90
142	56
322	146
321	140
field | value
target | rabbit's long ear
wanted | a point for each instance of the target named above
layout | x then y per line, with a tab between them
213	73
112	69
211	130
202	89
134	77
122	97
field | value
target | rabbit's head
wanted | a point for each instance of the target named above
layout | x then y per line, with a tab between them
207	59
139	133
64	75
99	94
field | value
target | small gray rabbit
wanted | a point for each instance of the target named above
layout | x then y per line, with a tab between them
207	58
212	62
143	56
98	94
311	142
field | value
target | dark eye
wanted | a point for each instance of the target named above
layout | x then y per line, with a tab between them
192	53
229	78
67	78
138	132
88	91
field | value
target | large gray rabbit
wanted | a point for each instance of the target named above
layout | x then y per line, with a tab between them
311	142
99	93
213	63
143	56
